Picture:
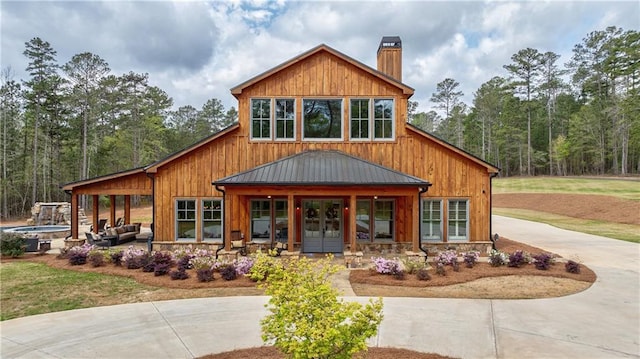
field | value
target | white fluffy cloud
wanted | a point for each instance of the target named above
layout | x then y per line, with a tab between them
199	50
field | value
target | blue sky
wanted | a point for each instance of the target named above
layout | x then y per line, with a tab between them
199	50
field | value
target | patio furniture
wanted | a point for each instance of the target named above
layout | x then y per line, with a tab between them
99	242
238	243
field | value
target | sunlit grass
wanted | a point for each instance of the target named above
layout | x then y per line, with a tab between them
622	188
30	288
626	232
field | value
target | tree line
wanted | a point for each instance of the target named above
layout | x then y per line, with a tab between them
547	118
77	120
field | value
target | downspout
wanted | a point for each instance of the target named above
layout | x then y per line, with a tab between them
491	237
224	214
70	193
153	210
420	192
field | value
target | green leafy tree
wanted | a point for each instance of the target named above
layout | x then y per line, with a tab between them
525	69
306	318
12	121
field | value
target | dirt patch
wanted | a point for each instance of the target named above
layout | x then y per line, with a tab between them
595	207
372	353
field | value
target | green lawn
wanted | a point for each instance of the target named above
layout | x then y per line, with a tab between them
623	188
30	288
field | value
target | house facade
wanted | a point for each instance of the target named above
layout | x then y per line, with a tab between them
323	159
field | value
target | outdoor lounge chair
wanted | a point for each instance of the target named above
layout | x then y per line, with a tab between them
238	243
101	225
102	243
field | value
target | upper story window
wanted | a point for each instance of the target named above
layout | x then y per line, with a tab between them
285	119
383	122
359	121
261	118
322	119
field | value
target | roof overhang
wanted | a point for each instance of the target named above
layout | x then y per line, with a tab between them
322	168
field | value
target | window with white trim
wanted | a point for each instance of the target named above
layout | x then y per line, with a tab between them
261	119
212	220
359	118
285	119
322	119
431	220
458	220
383	119
186	219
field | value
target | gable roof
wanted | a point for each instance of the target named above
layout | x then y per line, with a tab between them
153	168
237	90
490	168
332	168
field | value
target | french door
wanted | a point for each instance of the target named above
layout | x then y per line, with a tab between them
322	226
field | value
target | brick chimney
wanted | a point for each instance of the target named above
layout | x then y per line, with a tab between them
390	57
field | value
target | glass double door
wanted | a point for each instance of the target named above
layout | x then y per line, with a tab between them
322	226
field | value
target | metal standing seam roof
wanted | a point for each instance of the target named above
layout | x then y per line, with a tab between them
332	168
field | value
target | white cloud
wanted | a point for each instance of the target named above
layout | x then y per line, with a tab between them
199	50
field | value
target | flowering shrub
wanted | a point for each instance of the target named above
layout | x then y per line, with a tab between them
517	259
179	274
116	258
572	267
307	319
228	272
263	266
202	262
471	258
135	258
243	265
412	266
497	258
386	266
440	269
204	274
423	274
543	261
78	255
447	257
97	258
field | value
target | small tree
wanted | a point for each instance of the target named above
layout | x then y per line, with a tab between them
308	321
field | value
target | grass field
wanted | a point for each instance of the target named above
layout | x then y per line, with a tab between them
622	188
625	189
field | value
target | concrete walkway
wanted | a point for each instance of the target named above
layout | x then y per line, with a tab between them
601	322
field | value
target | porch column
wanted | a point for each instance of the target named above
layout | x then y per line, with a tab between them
127	209
112	210
415	215
96	212
291	221
352	223
74	216
226	201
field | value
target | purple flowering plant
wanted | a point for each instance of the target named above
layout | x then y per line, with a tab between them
386	266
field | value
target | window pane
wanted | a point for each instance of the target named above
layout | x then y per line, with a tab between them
383	118
458	222
322	118
431	223
260	219
186	219
384	220
285	118
363	222
260	118
212	220
359	118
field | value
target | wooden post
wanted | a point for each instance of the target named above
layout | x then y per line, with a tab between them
127	209
352	223
74	216
291	221
96	212
112	210
415	219
227	222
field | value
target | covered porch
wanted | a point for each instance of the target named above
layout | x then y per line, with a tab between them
323	202
126	184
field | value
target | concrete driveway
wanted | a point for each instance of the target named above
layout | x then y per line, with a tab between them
601	322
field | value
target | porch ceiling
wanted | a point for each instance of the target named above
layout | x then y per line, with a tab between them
328	168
